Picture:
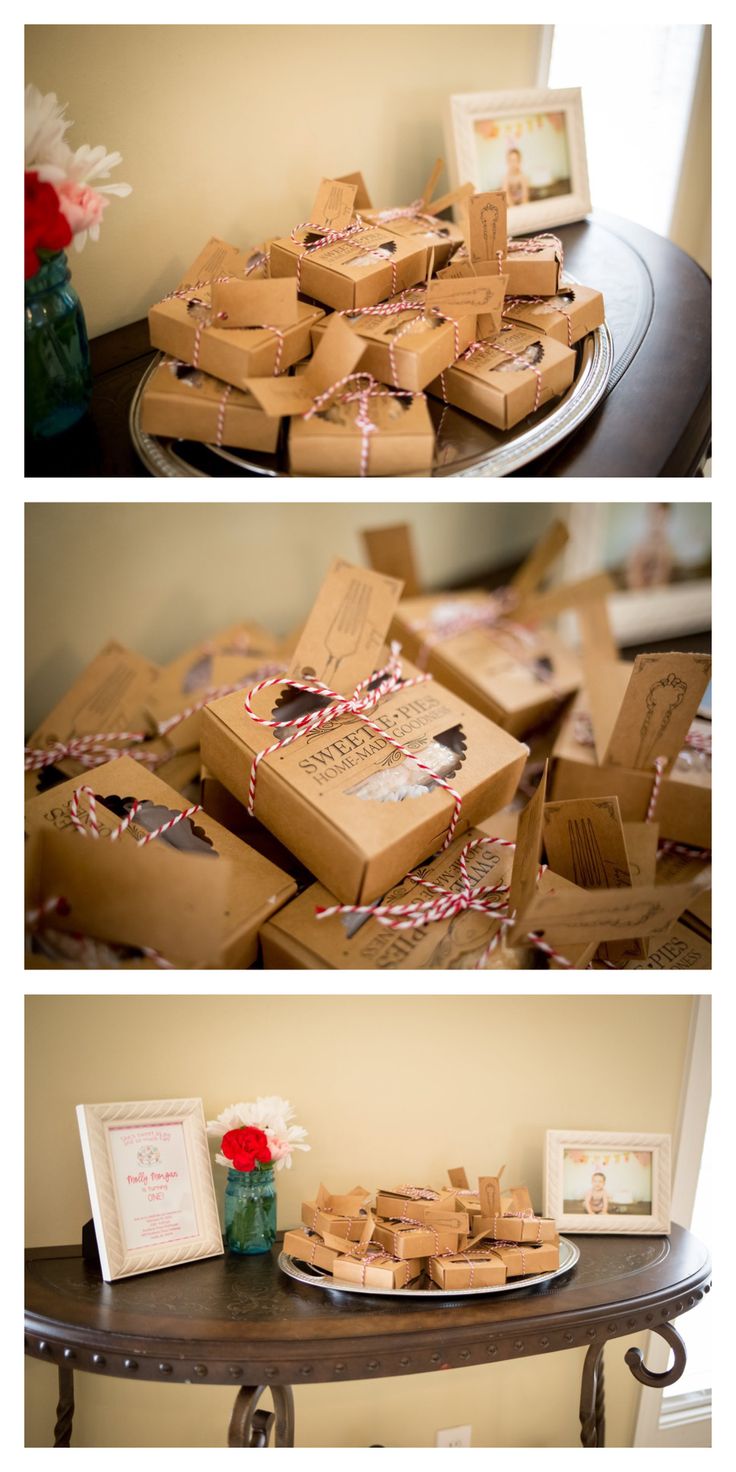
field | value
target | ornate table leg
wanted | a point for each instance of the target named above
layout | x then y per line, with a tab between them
250	1427
65	1408
592	1398
635	1360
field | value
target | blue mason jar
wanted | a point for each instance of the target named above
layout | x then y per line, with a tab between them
58	373
250	1210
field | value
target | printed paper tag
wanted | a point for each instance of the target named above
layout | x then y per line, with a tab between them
488	233
336	356
333	207
661	701
528	850
345	633
256	303
474	294
594	627
458	1178
544	552
432	181
216	258
362	199
585	843
454	196
489	1190
614	914
391	551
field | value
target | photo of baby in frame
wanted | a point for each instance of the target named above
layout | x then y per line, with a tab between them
530	144
600	1182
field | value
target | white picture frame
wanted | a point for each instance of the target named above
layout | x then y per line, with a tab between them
149	1175
601	1147
466	110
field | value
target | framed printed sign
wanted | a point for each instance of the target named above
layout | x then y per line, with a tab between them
150	1183
613	1183
531	144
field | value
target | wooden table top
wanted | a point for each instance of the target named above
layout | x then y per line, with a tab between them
231	1320
654	420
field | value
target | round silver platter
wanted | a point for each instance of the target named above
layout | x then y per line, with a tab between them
318	1278
463	446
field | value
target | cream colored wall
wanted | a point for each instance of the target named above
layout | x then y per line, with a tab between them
449	1081
226	130
690	227
159	577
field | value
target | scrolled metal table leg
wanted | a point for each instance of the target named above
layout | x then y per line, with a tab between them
635	1360
250	1427
592	1414
65	1408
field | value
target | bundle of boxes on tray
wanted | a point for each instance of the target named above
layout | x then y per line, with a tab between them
338	801
335	333
456	1237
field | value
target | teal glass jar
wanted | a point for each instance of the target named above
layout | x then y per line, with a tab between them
250	1210
58	372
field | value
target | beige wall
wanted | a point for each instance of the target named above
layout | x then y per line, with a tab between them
159	577
226	130
690	227
437	1071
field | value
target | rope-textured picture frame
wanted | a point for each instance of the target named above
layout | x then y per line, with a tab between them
606	1214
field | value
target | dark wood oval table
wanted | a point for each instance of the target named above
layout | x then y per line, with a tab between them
239	1321
654	419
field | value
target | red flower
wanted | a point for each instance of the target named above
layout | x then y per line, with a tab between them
245	1147
46	226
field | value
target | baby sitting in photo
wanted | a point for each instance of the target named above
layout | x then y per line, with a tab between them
596	1197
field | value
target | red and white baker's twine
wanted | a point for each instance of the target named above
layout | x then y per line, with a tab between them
445	904
39	916
94	751
359	388
530	301
408	301
189	294
360	703
492	345
94	828
330	237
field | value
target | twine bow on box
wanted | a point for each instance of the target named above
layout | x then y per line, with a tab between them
409	300
357	226
364	699
360	389
445	904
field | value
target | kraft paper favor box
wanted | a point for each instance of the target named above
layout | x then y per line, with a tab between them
373	1269
148	902
184	403
502	391
568	316
517	682
332	1214
109	697
232	354
532	272
395	1203
230	657
442	237
332	441
294	939
367	268
639	712
255	887
682	950
420	222
308	1247
403	1240
355	810
525	1261
471	1269
421	351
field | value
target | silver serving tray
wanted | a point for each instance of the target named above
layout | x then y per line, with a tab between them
318	1278
464	445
